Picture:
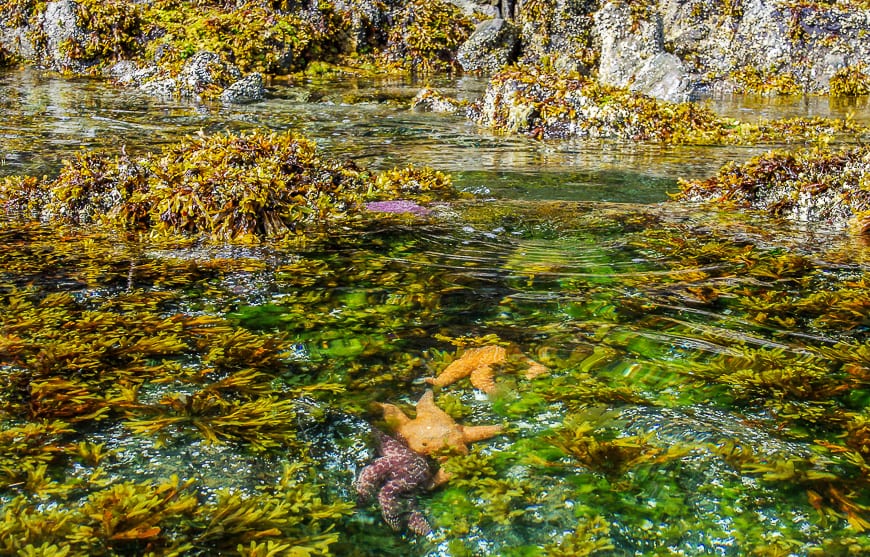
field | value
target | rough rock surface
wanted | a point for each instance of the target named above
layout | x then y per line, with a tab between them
247	89
808	42
204	71
668	48
56	26
635	57
430	100
558	31
814	186
494	44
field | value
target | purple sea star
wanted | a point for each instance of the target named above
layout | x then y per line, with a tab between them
395	475
397	206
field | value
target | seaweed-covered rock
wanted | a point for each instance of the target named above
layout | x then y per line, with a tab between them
430	100
223	187
544	104
558	32
493	45
426	35
814	186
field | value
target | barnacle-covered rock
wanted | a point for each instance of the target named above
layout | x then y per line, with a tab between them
493	45
430	100
224	187
543	104
634	56
814	186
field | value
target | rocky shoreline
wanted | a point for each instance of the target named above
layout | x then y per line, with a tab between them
626	70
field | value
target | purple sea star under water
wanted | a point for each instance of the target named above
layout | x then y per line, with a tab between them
395	475
397	206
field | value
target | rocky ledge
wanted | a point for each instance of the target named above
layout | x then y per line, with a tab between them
817	186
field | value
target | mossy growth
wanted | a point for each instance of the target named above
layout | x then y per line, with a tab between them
752	80
18	13
251	36
241	188
426	35
851	81
544	105
820	185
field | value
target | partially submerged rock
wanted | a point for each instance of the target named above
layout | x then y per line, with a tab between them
241	188
430	100
818	186
545	104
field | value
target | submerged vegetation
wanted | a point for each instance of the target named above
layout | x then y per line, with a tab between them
677	348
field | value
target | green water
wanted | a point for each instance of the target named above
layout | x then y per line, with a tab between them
709	374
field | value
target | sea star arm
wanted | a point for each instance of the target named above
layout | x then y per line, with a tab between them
452	373
393	505
372	476
394	416
483	378
426	405
471	434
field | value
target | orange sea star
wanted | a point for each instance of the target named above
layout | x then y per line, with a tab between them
432	429
477	364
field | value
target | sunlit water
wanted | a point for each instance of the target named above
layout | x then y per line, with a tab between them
710	341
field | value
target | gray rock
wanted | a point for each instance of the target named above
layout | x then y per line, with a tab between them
430	100
633	56
206	69
129	74
493	45
248	89
17	41
767	36
558	32
489	8
165	88
59	24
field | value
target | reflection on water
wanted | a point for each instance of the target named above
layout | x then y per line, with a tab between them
47	119
708	383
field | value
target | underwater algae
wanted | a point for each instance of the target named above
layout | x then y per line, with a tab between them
651	323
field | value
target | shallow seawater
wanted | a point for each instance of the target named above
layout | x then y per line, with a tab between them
708	375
